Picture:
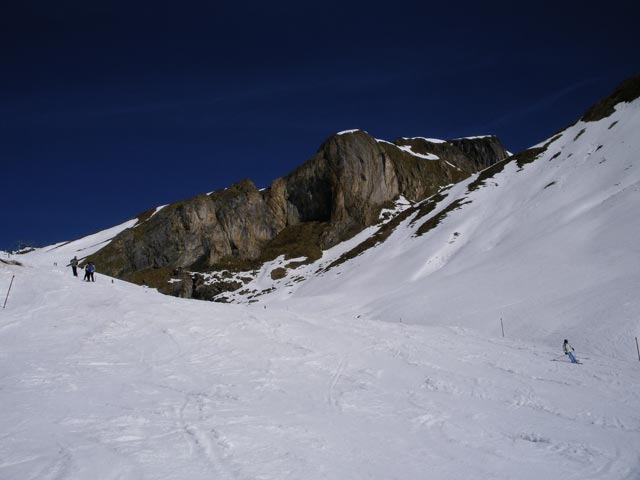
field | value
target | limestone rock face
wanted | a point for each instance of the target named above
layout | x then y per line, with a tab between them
424	165
340	190
344	184
234	223
362	177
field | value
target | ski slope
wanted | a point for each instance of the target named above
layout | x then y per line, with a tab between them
551	248
110	380
389	366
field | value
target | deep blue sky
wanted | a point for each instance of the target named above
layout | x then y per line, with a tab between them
110	108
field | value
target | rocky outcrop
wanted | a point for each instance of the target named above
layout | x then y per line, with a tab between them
344	184
327	199
353	175
627	91
234	223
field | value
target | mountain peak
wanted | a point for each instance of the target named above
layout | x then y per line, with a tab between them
331	197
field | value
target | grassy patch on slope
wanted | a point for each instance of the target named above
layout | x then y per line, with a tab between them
378	237
434	221
295	241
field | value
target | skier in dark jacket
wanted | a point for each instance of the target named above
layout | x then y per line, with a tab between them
73	263
90	268
568	350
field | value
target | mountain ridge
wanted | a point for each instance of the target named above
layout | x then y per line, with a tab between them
336	193
571	151
300	233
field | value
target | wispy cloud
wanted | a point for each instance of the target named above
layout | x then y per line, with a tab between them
166	94
535	106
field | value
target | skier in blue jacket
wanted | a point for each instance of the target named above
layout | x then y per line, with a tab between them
88	272
568	350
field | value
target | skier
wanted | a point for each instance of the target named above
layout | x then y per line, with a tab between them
90	269
73	263
568	350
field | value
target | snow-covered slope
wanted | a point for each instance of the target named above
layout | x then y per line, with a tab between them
110	380
551	247
61	253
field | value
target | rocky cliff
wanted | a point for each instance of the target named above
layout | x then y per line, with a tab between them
327	199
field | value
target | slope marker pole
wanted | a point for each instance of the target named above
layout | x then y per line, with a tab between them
8	291
502	325
638	348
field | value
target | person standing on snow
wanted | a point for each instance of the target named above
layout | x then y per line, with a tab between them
568	350
73	263
90	269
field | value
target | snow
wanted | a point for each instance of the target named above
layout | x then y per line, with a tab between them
157	210
117	381
428	156
61	253
550	247
391	365
344	132
430	140
407	149
401	204
476	137
452	165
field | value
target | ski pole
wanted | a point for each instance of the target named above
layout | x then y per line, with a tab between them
8	291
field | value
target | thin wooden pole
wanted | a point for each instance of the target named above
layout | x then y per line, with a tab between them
502	325
8	291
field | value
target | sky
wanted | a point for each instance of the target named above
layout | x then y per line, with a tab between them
110	108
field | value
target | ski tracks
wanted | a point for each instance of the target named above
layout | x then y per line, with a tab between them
337	374
61	468
207	442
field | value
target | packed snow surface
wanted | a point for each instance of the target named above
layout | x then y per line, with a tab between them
112	380
389	366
